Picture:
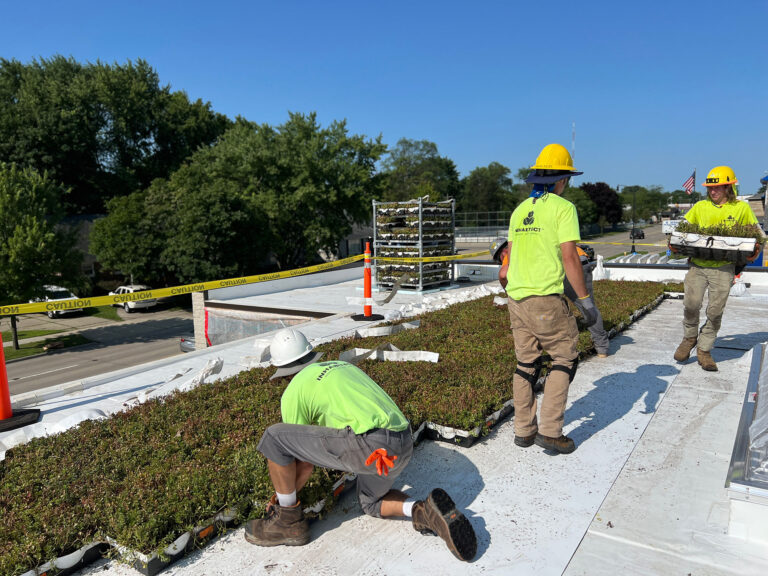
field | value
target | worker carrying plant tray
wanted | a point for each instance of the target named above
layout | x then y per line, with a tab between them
721	210
336	417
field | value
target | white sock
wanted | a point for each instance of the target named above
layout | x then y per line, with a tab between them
408	507
287	500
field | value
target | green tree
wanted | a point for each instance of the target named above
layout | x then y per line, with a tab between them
488	189
101	130
647	201
128	240
606	201
34	251
262	196
679	197
414	169
585	208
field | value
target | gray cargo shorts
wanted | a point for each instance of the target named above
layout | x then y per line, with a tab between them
341	449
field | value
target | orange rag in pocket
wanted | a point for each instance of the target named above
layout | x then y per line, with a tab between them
383	461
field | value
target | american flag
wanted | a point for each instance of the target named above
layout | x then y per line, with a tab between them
690	183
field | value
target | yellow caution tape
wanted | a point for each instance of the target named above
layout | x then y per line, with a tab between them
75	304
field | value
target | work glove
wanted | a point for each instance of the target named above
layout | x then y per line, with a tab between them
383	461
587	310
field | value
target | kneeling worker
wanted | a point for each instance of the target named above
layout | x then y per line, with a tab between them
336	417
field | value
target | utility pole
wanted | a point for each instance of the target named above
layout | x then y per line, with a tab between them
633	219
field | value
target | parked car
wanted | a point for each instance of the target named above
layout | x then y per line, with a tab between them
187	343
588	249
53	293
137	304
636	233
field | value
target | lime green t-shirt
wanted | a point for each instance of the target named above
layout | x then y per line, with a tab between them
536	230
707	213
337	394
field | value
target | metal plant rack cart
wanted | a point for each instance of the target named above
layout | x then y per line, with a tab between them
414	229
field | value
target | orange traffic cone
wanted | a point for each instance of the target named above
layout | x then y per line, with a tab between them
368	305
9	420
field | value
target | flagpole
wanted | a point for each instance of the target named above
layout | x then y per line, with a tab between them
694	182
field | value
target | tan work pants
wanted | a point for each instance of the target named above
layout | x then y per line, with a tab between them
697	281
542	323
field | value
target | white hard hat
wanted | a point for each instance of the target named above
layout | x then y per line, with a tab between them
288	347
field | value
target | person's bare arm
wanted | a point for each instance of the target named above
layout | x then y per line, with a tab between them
504	267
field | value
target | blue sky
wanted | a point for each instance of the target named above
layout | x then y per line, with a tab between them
655	89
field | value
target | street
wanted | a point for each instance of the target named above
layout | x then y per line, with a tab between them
142	337
617	243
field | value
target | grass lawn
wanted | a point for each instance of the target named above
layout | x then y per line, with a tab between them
22	334
106	312
32	348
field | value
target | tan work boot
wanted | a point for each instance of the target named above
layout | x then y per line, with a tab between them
706	361
438	514
284	526
683	351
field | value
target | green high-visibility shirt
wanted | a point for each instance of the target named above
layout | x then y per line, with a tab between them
337	394
707	213
536	230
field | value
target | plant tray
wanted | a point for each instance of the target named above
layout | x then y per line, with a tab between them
730	249
463	438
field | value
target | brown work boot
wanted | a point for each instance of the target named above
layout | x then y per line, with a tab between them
564	445
438	514
683	351
525	441
284	525
706	361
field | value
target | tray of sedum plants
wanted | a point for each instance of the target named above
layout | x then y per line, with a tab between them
159	479
724	242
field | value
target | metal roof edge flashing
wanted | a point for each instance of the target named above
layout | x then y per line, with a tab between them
739	484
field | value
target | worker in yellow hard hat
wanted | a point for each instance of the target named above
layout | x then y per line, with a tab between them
543	232
714	277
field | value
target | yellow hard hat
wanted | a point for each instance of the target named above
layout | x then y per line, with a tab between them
720	175
554	157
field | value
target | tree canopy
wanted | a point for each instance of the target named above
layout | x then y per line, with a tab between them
488	189
34	250
414	168
605	200
283	192
101	130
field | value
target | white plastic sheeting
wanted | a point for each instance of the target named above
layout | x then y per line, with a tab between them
387	352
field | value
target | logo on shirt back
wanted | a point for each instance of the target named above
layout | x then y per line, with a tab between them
527	221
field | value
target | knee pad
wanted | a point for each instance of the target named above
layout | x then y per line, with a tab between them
531	378
570	370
